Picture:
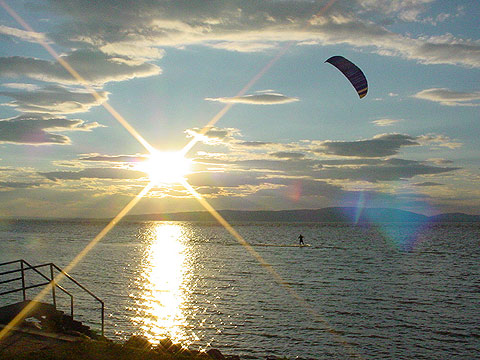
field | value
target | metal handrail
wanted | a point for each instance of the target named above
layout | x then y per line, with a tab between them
86	290
51	282
34	268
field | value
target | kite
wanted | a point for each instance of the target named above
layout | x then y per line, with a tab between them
352	72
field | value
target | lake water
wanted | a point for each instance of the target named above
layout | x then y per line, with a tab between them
377	292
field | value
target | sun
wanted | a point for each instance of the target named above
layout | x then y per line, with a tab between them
166	167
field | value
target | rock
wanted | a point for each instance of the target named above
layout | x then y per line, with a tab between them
232	357
139	342
216	354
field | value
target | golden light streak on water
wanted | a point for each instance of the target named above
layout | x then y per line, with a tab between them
4	332
80	79
163	282
276	276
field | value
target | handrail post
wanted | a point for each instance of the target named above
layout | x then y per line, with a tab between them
71	306
53	286
23	281
103	319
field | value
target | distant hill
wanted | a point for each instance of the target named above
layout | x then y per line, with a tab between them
455	217
325	215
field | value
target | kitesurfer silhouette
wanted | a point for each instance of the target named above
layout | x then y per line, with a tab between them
300	238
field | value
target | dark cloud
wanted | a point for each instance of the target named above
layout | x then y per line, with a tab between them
370	170
35	130
95	67
94	173
18	185
388	170
295	167
115	158
287	155
427	183
254	143
300	187
54	99
379	146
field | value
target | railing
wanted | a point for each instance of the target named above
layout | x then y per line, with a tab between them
50	281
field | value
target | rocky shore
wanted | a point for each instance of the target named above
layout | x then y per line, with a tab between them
34	345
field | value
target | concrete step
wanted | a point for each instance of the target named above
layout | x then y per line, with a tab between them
49	318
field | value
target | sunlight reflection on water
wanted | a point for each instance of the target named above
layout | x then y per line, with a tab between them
164	285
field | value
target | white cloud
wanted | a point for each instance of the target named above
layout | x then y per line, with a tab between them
385	122
243	46
449	97
21	86
253	26
256	99
29	36
438	141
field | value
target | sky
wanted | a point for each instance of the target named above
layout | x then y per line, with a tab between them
243	85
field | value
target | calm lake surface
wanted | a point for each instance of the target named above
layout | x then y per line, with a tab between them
379	292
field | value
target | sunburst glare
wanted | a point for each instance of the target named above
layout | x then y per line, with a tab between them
166	167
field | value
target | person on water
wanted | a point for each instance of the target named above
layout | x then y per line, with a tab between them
300	238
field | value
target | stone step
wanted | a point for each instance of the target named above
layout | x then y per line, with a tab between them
50	319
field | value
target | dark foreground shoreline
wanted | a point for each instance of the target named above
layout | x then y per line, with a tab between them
20	345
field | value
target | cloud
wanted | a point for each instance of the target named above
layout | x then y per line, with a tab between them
257	99
18	185
35	130
254	26
366	170
436	140
243	46
95	67
54	99
449	97
288	155
404	11
29	36
21	86
297	188
213	135
254	144
438	161
427	183
379	146
114	158
94	173
385	122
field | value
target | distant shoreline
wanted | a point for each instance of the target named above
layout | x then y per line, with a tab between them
342	215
